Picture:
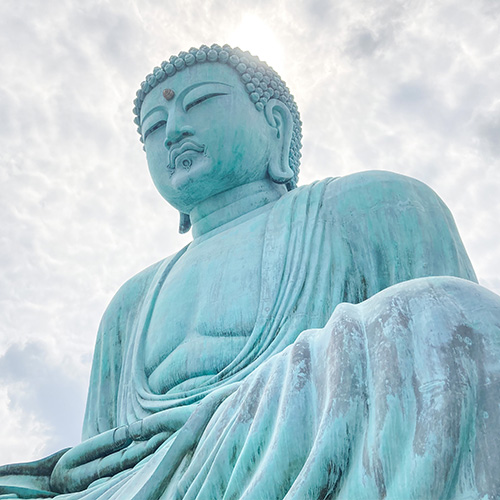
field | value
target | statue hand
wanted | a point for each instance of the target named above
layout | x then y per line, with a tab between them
115	450
101	456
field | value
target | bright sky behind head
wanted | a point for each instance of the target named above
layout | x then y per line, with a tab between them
411	86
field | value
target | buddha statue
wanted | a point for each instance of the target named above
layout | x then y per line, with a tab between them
327	341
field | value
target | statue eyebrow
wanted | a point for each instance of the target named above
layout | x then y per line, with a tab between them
187	91
202	98
150	112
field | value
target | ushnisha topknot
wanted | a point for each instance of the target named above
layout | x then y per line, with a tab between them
261	83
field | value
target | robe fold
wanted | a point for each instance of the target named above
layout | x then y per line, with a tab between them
394	395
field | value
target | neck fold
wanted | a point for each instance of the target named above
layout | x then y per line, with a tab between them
232	204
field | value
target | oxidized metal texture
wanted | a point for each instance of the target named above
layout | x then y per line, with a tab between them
327	342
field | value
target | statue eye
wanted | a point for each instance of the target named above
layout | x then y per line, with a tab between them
203	98
156	126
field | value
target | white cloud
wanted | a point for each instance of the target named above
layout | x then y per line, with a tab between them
15	423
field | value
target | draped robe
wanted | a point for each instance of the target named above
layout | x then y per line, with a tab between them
391	397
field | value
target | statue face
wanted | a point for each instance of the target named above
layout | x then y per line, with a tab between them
203	135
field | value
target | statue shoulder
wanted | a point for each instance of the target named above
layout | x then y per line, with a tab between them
367	190
130	295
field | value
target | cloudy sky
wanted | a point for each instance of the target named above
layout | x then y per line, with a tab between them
409	86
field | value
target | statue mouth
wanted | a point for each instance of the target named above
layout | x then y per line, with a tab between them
181	156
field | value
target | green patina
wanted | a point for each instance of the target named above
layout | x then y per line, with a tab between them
320	342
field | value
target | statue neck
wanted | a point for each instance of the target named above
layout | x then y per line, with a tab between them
232	204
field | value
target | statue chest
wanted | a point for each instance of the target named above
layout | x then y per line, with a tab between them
207	307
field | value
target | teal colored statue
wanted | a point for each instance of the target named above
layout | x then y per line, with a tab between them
319	342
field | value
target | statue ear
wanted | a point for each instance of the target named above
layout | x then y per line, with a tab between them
279	118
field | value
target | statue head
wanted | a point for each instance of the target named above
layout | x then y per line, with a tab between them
216	118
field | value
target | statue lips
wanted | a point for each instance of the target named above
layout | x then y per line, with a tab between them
180	149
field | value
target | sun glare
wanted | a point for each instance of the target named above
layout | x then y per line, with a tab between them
258	38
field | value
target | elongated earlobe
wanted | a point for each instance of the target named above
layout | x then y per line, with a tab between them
279	118
184	223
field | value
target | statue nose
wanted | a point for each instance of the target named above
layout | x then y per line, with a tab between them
175	135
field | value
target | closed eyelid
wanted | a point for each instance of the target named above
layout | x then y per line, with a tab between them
153	111
200	90
153	127
150	121
204	98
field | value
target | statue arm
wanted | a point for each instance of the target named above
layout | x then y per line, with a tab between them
389	228
101	412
